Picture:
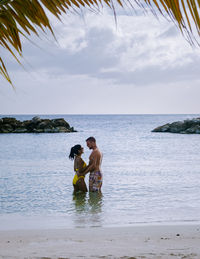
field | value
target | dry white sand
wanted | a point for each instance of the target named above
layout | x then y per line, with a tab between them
180	241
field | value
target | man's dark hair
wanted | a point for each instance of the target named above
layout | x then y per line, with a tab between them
91	139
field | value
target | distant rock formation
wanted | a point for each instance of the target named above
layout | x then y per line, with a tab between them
191	126
36	125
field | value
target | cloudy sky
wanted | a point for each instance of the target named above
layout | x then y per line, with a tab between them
139	65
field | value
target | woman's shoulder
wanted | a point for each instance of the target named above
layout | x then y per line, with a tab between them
79	159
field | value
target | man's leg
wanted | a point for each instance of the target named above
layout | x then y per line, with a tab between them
95	182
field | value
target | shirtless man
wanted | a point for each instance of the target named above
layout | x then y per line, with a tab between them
94	167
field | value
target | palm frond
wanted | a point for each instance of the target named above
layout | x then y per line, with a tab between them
3	71
22	17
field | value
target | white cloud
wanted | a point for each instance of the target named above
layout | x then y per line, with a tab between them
131	64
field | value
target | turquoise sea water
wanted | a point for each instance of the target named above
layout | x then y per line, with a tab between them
148	177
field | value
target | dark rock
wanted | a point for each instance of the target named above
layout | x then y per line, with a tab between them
27	124
36	125
72	129
36	119
49	130
163	128
177	126
60	122
6	128
38	130
20	130
193	130
63	129
55	130
45	124
191	126
8	120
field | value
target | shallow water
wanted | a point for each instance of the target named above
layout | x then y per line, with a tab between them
148	177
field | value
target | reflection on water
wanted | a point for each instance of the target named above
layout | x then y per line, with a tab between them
95	202
87	209
79	199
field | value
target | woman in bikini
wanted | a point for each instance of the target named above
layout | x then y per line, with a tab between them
79	165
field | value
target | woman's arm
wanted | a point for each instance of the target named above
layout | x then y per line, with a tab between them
79	166
90	167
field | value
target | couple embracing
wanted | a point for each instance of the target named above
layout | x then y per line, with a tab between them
81	169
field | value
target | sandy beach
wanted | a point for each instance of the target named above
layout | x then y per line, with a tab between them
169	241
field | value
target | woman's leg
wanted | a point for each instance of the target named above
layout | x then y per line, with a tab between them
81	185
75	188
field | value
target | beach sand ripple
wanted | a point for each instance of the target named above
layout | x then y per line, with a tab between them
135	242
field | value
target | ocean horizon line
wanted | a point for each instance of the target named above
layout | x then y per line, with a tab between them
95	114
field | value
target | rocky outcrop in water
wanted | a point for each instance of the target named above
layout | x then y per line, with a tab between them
36	125
191	126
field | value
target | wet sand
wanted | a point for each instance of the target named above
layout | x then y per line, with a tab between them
168	241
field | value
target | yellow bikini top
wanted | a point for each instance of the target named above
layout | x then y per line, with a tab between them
84	165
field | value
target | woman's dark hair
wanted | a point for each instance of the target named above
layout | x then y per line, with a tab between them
74	151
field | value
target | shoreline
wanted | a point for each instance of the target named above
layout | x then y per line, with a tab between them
141	241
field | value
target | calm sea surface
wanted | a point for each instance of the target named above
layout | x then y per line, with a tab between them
148	177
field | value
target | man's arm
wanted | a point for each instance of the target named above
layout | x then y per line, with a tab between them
91	166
